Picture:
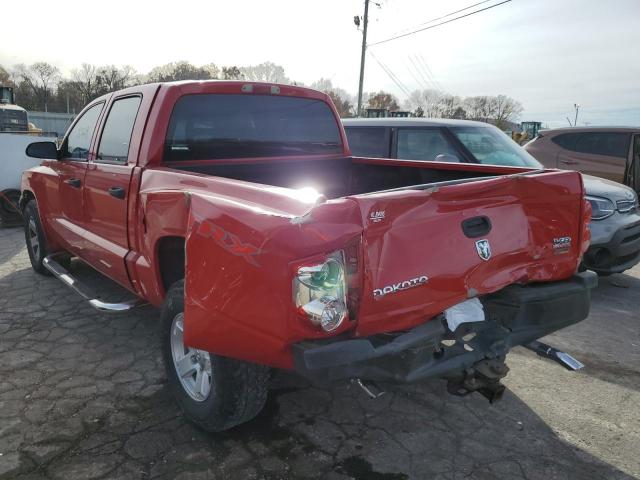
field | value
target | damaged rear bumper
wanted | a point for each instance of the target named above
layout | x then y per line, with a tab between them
515	316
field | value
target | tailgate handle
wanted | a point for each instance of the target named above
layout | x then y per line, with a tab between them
476	227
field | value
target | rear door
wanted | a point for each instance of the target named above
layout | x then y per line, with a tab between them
601	154
107	187
65	207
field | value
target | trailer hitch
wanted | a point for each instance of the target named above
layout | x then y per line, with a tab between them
483	377
547	351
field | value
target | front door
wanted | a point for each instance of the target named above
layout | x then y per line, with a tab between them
66	212
106	191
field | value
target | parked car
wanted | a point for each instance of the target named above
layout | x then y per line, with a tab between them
237	209
612	153
615	222
13	162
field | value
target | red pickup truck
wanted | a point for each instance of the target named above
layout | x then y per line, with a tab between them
238	209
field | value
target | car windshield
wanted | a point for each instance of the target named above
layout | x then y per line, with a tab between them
216	126
492	147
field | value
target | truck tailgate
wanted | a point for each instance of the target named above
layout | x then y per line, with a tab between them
425	250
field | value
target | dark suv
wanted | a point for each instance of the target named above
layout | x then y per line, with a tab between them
615	223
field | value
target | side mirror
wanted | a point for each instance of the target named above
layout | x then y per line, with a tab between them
447	157
42	150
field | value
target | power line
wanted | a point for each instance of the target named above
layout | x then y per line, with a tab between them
421	61
391	75
453	13
437	24
420	81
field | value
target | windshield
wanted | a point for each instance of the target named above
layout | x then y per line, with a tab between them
214	126
490	146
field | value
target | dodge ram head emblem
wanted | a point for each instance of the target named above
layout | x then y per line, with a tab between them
484	249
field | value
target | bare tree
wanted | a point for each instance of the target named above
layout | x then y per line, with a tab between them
86	81
111	78
340	97
36	83
181	70
505	109
264	72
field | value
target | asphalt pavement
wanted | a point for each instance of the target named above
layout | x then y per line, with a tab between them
83	395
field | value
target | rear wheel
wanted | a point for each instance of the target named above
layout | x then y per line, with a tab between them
34	237
214	392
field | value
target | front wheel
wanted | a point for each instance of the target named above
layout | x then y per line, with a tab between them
214	392
34	236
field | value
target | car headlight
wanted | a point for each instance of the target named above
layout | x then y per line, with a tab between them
319	292
600	207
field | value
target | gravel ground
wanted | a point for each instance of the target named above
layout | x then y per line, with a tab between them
83	396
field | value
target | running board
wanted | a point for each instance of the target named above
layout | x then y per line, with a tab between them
85	292
547	351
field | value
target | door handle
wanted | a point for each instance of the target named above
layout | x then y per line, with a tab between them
117	192
568	162
74	182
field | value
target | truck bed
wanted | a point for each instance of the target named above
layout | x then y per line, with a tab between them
341	177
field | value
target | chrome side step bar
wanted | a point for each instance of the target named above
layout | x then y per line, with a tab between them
63	274
547	351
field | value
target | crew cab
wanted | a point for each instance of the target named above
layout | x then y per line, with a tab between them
238	210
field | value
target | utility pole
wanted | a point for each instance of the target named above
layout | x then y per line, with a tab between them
577	107
364	51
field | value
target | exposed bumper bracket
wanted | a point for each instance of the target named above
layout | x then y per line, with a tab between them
84	291
547	351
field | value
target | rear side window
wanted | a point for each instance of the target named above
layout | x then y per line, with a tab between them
368	141
217	126
566	140
612	144
116	135
76	146
423	144
604	143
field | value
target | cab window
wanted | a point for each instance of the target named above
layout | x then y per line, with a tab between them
116	134
368	141
77	144
424	144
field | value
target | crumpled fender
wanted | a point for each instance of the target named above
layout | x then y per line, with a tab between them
238	273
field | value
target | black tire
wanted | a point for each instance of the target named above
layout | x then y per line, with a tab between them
238	389
33	229
9	200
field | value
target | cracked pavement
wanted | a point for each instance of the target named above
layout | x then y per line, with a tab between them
83	396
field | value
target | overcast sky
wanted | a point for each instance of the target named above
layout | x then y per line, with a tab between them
548	54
